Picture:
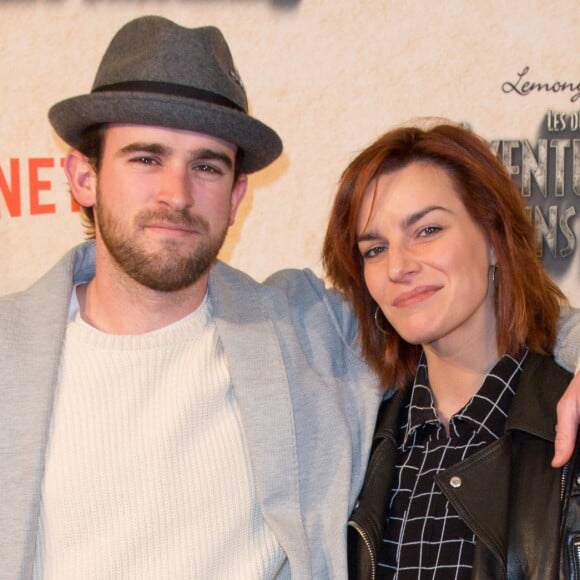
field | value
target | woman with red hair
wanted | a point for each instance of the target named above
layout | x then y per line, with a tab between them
429	240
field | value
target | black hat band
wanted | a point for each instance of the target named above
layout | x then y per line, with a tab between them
170	89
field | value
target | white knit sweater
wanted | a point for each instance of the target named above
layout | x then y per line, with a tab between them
147	472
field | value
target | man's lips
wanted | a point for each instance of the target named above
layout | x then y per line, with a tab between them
171	228
415	296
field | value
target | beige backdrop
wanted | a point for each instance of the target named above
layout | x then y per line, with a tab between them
328	75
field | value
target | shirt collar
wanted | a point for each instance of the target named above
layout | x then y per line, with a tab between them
485	412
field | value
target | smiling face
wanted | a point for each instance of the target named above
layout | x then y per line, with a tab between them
163	201
426	262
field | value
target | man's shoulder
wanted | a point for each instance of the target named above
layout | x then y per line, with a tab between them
292	297
53	287
292	285
279	279
293	280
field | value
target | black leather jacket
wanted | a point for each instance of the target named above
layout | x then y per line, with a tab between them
525	514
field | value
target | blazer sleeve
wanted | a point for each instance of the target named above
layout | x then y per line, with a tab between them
567	348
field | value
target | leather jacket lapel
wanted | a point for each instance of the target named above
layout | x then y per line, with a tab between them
478	488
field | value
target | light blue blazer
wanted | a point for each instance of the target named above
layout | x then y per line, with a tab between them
307	402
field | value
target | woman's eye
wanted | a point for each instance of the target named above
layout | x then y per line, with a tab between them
429	231
373	252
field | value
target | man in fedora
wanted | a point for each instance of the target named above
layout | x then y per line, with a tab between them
162	415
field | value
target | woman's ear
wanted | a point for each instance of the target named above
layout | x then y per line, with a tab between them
81	177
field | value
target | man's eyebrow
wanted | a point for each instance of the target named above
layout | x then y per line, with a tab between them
204	153
144	147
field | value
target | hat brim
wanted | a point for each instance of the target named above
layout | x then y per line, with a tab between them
260	144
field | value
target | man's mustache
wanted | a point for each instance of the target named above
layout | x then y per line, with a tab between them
178	218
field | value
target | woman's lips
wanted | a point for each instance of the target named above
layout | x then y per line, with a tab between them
415	296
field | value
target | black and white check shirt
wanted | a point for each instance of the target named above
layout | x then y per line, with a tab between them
424	536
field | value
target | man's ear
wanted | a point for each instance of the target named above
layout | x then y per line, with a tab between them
81	178
238	193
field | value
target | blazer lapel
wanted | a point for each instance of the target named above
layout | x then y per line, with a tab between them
33	326
35	333
263	395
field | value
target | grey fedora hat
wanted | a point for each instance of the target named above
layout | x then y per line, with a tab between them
155	72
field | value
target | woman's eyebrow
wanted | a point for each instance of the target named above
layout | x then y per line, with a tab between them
418	215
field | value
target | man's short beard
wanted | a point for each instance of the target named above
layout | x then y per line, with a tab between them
166	270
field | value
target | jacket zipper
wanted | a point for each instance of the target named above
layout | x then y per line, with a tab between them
576	556
576	541
565	470
367	542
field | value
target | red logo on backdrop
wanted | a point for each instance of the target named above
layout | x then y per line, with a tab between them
34	186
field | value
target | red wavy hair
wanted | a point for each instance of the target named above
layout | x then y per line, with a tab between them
527	301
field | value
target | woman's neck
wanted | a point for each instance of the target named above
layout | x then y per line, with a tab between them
456	374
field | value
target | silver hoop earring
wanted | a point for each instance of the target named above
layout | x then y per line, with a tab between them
492	273
377	323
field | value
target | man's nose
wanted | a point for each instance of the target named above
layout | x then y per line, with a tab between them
176	188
